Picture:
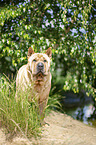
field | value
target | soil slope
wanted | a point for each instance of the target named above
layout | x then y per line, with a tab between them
62	130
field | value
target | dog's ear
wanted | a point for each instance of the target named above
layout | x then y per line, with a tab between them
30	52
49	52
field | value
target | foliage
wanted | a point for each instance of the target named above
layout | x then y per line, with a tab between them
66	26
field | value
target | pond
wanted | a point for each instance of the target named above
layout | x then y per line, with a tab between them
80	107
83	113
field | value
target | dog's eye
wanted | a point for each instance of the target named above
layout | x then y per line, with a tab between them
34	60
45	60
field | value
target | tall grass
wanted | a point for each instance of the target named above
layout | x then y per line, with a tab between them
19	115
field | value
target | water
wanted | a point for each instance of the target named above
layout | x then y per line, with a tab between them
83	113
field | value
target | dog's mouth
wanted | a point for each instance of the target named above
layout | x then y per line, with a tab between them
39	77
40	74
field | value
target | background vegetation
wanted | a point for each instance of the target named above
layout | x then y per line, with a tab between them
67	26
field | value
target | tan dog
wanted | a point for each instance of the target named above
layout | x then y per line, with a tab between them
36	75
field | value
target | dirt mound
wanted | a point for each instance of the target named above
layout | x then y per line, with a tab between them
60	130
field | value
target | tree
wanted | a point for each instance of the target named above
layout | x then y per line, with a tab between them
66	26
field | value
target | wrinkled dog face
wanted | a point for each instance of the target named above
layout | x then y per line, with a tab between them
39	63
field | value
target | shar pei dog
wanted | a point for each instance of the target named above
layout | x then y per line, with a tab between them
36	76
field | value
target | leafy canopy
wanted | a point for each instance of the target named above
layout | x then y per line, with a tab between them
67	26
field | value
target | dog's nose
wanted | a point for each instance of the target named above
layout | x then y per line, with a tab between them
40	66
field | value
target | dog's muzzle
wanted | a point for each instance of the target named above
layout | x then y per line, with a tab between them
40	68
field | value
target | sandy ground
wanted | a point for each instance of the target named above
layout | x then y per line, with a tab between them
62	130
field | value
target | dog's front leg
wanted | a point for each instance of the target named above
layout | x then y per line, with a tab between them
42	106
